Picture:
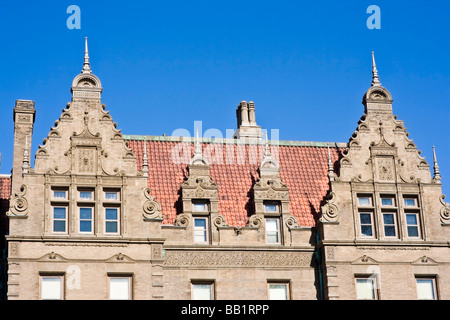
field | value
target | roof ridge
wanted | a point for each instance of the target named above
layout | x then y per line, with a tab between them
292	143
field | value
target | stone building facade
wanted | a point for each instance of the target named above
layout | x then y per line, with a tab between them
103	215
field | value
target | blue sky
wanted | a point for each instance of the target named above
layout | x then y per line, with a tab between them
166	64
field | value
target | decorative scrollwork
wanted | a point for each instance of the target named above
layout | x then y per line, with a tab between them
255	221
152	208
19	204
291	222
445	211
182	220
330	212
220	221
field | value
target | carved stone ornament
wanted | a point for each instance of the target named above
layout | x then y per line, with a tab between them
291	222
182	220
152	208
220	221
19	204
445	211
330	212
254	221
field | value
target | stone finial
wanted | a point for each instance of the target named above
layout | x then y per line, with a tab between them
375	79
198	153
331	175
145	161
86	64
437	174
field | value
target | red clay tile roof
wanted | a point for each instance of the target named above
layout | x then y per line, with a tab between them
5	191
303	168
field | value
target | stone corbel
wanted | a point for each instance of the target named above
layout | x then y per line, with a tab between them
151	208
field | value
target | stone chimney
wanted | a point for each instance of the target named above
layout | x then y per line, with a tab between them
246	122
24	116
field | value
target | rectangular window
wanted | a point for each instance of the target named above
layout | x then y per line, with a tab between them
426	288
278	291
86	195
366	224
410	201
364	201
271	207
120	288
202	291
389	225
59	219
200	230
51	287
387	201
112	220
272	230
365	289
86	220
112	194
59	194
200	207
412	225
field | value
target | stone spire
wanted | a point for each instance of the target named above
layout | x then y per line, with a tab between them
198	153
86	64
145	161
375	79
437	174
331	175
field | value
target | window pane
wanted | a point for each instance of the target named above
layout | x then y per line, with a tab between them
86	195
119	288
365	289
389	231
271	207
199	206
387	201
111	214
413	232
201	292
85	226
85	213
59	226
410	202
364	201
272	237
111	226
366	218
366	230
278	292
51	288
272	230
59	213
111	196
59	194
425	289
411	219
388	218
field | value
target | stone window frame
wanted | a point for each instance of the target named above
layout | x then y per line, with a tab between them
111	204
86	203
128	276
434	281
374	279
57	202
204	282
279	282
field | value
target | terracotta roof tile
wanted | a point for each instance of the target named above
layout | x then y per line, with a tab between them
303	168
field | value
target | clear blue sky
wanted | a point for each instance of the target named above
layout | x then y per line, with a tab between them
165	64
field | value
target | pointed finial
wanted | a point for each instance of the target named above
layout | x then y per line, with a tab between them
145	160
267	152
198	153
86	64
330	165
375	79
437	174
